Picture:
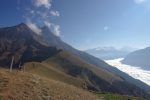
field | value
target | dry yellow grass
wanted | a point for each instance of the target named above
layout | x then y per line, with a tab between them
18	85
110	77
50	71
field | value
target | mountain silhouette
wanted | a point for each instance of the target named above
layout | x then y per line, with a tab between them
139	58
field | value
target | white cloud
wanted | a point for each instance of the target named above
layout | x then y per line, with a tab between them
135	72
39	13
55	13
56	30
140	1
48	24
34	28
44	3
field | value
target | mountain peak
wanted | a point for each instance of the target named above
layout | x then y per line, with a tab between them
22	24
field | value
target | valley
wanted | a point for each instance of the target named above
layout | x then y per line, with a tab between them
49	57
135	72
74	50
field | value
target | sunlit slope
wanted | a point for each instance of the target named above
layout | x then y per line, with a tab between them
50	71
18	85
72	70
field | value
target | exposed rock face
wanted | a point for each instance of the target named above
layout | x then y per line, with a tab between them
21	43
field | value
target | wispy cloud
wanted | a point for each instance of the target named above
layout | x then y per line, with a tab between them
48	24
40	13
56	30
144	4
140	1
55	13
34	27
44	3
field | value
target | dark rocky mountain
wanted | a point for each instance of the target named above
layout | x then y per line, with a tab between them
140	58
108	53
19	42
26	46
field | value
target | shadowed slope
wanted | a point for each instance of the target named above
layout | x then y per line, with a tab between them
19	42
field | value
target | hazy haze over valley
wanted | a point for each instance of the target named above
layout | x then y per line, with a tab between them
107	53
134	71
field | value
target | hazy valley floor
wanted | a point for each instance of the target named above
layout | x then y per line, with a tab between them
135	72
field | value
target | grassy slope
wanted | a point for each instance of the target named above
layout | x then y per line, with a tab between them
72	70
50	71
66	59
57	68
18	85
48	84
110	96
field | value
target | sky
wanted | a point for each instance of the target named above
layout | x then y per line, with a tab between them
84	24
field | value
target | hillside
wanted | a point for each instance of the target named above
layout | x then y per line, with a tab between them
72	70
110	96
18	85
35	87
68	67
55	41
48	56
139	58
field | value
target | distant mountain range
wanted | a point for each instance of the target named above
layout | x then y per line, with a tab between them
48	56
139	58
108	53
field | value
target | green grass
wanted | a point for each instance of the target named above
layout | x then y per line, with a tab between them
110	96
1	98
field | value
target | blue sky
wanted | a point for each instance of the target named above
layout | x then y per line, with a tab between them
85	23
